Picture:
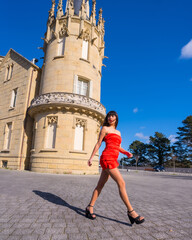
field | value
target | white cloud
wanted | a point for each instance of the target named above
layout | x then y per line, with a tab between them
135	110
186	51
141	136
172	138
142	127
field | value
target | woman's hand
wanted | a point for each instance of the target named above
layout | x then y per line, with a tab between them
129	155
89	162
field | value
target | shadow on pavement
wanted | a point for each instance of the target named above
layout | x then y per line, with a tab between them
59	201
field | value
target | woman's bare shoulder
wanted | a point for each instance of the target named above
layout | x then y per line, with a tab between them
118	132
104	129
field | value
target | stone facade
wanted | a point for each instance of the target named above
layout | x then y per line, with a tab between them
19	75
64	118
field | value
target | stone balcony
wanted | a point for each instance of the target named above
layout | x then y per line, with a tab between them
67	102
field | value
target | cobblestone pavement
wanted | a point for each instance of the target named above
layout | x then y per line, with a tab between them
51	207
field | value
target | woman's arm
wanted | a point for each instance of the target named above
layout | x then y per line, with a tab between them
98	144
129	155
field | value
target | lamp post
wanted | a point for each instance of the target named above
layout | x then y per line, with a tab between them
137	159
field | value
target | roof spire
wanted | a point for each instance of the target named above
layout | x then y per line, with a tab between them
100	15
83	10
69	7
93	12
60	9
52	12
87	8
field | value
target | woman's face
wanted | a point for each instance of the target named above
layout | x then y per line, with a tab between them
111	119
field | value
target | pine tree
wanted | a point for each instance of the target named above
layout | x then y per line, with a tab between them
159	148
185	136
140	149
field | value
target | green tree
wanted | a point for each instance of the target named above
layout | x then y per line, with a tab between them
159	148
139	148
180	152
185	136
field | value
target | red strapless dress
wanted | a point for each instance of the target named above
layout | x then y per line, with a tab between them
108	159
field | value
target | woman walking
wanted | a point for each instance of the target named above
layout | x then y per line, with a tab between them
109	164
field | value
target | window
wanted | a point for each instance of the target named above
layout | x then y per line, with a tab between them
79	134
61	46
82	86
51	132
7	140
9	72
13	98
85	50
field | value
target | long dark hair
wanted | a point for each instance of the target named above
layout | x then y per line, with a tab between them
111	113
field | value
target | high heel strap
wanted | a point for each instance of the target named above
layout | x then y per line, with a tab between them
90	205
130	211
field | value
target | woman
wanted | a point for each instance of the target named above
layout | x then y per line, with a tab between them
109	164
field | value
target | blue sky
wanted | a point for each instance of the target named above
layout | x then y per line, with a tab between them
148	78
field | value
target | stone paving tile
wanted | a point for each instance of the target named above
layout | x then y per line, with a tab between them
4	236
30	237
39	230
45	237
14	237
7	231
147	237
54	231
60	237
23	231
80	236
52	207
160	235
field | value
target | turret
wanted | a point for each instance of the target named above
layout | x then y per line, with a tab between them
70	88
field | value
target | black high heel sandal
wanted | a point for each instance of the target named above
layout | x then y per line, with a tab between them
136	220
88	214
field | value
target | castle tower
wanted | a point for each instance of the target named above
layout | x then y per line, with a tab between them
67	113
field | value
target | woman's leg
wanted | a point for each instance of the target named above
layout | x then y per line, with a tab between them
102	180
116	175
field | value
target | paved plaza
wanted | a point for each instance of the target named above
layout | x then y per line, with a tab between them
51	207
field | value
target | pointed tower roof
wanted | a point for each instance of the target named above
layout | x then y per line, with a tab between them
69	9
52	12
60	9
93	12
78	5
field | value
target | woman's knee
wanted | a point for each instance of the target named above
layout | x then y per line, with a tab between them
121	183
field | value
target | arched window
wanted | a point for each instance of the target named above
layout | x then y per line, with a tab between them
61	46
85	48
51	132
7	139
79	134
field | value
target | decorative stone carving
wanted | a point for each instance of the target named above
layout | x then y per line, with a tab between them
85	35
72	99
52	119
64	32
81	122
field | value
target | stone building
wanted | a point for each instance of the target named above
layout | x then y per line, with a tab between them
50	117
